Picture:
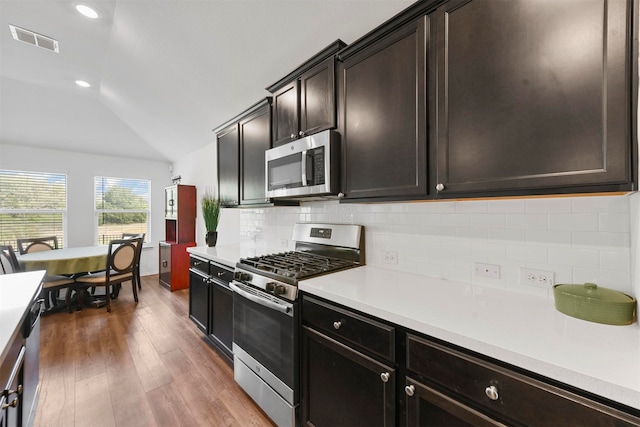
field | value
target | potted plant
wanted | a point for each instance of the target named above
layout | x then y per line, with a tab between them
211	215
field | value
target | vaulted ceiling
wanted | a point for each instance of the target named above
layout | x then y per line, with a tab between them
164	73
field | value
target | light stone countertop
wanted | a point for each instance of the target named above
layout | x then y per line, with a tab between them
517	328
17	291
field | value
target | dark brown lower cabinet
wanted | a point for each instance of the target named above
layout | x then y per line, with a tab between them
211	303
427	406
221	319
343	387
358	370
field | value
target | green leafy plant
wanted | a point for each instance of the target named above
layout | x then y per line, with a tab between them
210	210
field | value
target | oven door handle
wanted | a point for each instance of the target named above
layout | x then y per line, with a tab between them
285	308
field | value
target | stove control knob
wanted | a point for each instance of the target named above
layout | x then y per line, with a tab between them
280	290
241	276
270	287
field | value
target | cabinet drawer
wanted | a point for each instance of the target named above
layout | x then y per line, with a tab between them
199	264
220	273
365	334
514	396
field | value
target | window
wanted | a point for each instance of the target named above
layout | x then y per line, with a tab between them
32	204
122	206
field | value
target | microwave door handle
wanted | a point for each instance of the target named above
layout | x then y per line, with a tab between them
304	168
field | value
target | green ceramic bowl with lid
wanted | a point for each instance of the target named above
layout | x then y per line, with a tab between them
590	302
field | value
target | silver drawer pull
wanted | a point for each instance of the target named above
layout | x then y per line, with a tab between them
336	325
410	389
384	377
13	404
221	273
492	392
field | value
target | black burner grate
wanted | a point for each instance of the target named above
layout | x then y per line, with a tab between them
297	265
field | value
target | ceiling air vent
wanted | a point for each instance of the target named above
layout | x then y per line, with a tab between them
35	39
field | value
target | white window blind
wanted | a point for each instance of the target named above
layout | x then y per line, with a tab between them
32	204
122	206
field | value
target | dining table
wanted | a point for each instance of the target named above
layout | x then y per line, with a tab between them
66	261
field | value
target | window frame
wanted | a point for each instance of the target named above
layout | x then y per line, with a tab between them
64	212
97	212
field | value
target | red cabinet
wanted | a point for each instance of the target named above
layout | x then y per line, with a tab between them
180	233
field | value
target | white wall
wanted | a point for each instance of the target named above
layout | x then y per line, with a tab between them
81	170
200	169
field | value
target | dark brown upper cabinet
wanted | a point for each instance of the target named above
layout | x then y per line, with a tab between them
241	145
383	88
255	139
532	97
304	102
228	165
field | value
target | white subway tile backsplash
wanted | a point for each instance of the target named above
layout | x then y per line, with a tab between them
599	204
614	222
507	234
578	222
601	239
615	260
494	220
575	237
534	221
549	205
574	257
549	237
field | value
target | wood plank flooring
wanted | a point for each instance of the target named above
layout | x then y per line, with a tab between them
140	365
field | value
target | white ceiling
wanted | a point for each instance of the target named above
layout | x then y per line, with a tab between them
164	72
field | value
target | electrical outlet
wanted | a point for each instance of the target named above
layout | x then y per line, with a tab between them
540	278
492	271
284	243
390	257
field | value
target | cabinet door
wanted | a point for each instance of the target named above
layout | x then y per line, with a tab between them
170	202
342	387
318	98
222	317
199	300
286	114
255	139
228	166
428	407
165	264
385	144
532	95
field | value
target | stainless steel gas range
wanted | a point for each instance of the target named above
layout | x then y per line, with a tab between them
266	315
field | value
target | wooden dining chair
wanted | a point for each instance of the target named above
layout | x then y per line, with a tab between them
37	244
133	236
8	260
51	285
120	268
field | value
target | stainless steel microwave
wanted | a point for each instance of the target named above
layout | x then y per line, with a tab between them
308	166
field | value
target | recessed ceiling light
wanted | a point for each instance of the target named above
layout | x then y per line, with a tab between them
87	11
82	83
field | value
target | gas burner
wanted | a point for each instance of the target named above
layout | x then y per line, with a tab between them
296	265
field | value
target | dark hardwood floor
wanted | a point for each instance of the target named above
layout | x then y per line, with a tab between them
140	365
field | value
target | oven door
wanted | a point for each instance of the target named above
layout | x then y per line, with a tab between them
265	329
265	351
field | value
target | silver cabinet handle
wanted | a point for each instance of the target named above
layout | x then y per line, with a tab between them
410	390
13	404
440	186
336	325
220	273
492	392
340	195
293	136
301	133
384	377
